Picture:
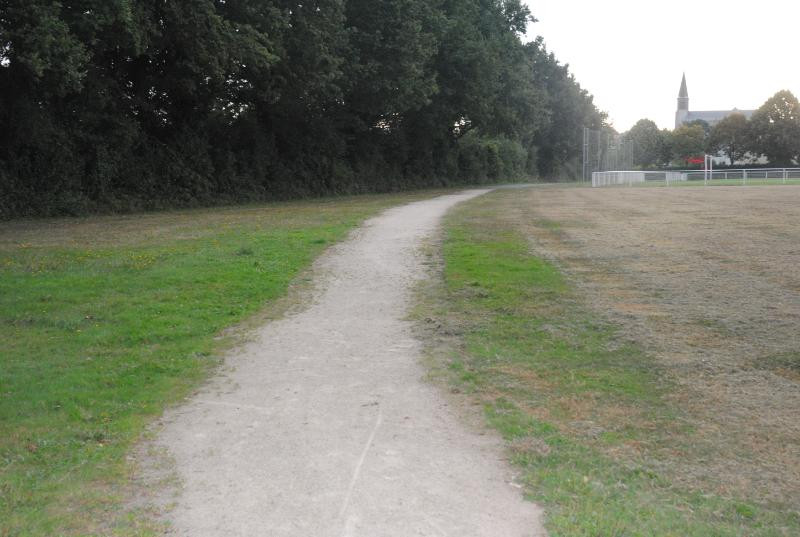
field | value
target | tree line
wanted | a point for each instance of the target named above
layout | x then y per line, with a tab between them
136	104
772	132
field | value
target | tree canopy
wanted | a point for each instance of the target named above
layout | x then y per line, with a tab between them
772	132
775	129
688	141
128	104
730	136
647	142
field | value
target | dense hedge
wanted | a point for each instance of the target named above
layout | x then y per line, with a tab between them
133	104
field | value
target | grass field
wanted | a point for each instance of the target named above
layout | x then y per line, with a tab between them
605	364
105	321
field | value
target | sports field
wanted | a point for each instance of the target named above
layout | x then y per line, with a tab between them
709	282
638	348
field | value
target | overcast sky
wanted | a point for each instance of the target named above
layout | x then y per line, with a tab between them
630	54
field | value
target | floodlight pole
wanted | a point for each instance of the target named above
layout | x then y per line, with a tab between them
583	175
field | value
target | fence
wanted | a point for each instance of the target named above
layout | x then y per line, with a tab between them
744	176
633	177
617	178
604	150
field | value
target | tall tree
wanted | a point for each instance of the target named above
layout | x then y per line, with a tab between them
566	110
646	141
151	103
390	70
688	141
665	147
775	129
730	136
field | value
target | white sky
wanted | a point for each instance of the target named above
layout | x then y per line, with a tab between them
630	54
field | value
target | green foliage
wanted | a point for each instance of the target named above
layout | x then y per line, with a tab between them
775	129
648	143
491	158
772	131
391	70
730	136
703	124
567	109
122	105
99	331
666	153
688	141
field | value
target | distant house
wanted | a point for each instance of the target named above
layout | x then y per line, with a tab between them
712	117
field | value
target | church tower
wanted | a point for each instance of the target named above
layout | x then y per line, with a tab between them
683	104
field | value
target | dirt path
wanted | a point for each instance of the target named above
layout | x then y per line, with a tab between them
324	425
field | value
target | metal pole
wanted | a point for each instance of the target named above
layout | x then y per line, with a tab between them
583	175
711	167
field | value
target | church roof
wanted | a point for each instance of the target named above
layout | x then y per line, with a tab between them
714	116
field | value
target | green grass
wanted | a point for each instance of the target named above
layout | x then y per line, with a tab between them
788	362
105	321
586	414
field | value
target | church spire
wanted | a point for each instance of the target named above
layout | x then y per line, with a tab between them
683	95
683	92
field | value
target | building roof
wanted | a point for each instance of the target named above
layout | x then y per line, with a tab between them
683	93
714	116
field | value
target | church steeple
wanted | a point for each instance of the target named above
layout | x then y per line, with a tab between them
683	95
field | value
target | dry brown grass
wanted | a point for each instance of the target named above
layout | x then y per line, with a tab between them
706	280
169	226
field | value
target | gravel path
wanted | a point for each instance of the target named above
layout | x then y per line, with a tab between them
324	426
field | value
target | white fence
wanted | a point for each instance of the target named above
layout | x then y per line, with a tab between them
744	176
617	178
